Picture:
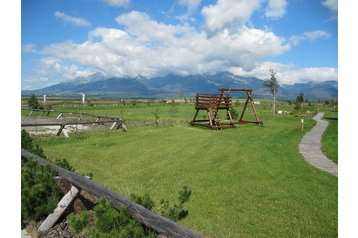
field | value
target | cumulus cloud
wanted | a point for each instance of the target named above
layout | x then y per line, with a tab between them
152	48
276	8
332	5
50	67
76	21
141	25
144	46
226	13
117	3
289	73
310	36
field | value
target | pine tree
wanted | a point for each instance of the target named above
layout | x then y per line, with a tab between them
32	102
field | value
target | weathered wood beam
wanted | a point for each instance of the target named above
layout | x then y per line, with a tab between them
65	123
59	116
144	216
59	210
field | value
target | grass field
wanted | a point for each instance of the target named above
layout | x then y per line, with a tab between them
249	181
330	136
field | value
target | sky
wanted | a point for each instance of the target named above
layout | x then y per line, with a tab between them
65	39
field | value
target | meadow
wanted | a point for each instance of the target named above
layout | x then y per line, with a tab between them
330	136
249	181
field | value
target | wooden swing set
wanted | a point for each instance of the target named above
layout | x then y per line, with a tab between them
213	103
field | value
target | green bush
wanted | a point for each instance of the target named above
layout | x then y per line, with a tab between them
64	164
234	113
112	223
107	218
77	222
28	144
32	102
146	201
39	191
176	211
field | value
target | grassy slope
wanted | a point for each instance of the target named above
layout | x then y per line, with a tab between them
249	181
330	136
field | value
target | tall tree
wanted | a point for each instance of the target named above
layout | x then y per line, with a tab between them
32	102
272	86
299	101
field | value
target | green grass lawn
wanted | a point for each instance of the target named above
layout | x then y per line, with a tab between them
249	181
330	136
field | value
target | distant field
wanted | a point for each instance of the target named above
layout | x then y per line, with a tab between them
249	181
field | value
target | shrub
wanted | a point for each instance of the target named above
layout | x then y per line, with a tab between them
32	102
28	144
146	201
112	223
156	116
39	192
176	211
64	164
77	222
107	218
234	113
173	110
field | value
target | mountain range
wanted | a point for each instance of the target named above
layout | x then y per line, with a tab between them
171	85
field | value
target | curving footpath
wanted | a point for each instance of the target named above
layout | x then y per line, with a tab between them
310	147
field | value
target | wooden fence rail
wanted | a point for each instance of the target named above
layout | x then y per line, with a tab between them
72	113
66	123
144	216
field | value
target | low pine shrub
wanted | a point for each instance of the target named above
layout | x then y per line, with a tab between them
145	200
28	144
234	113
107	218
64	164
173	211
39	191
176	211
108	223
77	222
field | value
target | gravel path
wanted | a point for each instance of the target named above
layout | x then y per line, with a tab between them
310	147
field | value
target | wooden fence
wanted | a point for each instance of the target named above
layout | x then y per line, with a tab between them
144	216
116	122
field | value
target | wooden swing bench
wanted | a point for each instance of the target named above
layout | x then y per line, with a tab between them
213	103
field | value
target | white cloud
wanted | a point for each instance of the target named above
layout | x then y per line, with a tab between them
190	4
117	3
276	8
226	13
289	74
29	48
54	67
152	48
141	25
76	21
310	36
332	5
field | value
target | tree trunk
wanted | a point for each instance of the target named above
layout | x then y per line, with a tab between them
274	105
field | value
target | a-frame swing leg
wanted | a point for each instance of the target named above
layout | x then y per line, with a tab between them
243	110
210	120
196	114
254	108
230	118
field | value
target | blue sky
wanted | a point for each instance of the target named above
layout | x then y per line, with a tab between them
65	39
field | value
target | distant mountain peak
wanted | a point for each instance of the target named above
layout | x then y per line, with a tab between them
97	84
